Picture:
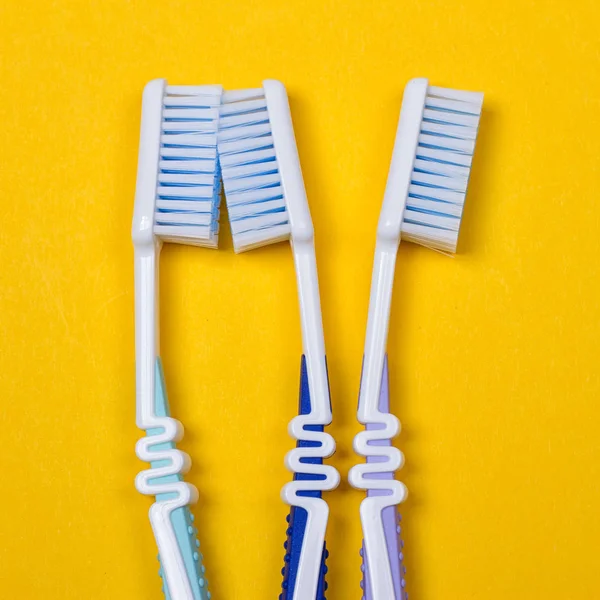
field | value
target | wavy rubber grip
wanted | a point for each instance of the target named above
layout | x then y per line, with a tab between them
390	516
296	520
181	518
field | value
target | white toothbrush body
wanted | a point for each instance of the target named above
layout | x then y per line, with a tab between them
423	203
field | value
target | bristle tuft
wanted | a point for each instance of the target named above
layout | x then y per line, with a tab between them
441	169
189	188
253	190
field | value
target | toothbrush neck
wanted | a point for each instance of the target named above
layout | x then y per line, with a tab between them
312	327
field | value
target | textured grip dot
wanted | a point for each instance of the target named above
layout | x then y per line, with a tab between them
189	545
400	582
296	522
182	519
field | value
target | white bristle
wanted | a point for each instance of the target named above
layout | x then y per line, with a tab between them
241	95
188	190
251	178
441	168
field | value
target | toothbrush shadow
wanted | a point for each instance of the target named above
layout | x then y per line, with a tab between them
476	211
408	441
343	391
409	511
470	241
117	243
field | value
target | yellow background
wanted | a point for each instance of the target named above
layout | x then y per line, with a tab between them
494	355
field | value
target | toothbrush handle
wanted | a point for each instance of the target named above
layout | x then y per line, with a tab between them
390	517
296	526
182	521
391	520
181	567
297	517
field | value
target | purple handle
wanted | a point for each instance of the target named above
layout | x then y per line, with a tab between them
390	515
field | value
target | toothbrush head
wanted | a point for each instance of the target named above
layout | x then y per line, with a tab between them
178	186
430	169
261	173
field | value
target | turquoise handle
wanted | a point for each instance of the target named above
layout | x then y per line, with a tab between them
181	518
183	523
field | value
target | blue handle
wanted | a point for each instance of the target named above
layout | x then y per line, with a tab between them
297	518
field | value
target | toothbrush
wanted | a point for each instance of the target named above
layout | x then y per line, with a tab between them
266	201
423	203
176	200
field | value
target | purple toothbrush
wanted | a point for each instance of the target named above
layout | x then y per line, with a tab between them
423	203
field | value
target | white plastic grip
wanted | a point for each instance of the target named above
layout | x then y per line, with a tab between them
403	158
146	256
377	331
386	249
149	482
146	332
288	160
309	565
388	239
146	249
142	231
312	335
302	239
361	476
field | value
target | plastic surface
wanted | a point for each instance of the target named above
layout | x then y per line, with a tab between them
146	249
298	516
389	516
169	174
182	519
257	148
323	445
423	202
377	510
169	140
395	546
302	238
313	347
171	520
388	239
311	478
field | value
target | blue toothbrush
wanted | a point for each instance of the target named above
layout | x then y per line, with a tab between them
267	203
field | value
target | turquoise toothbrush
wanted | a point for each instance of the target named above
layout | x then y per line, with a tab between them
176	200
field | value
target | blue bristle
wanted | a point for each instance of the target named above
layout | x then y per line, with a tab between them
188	192
441	168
